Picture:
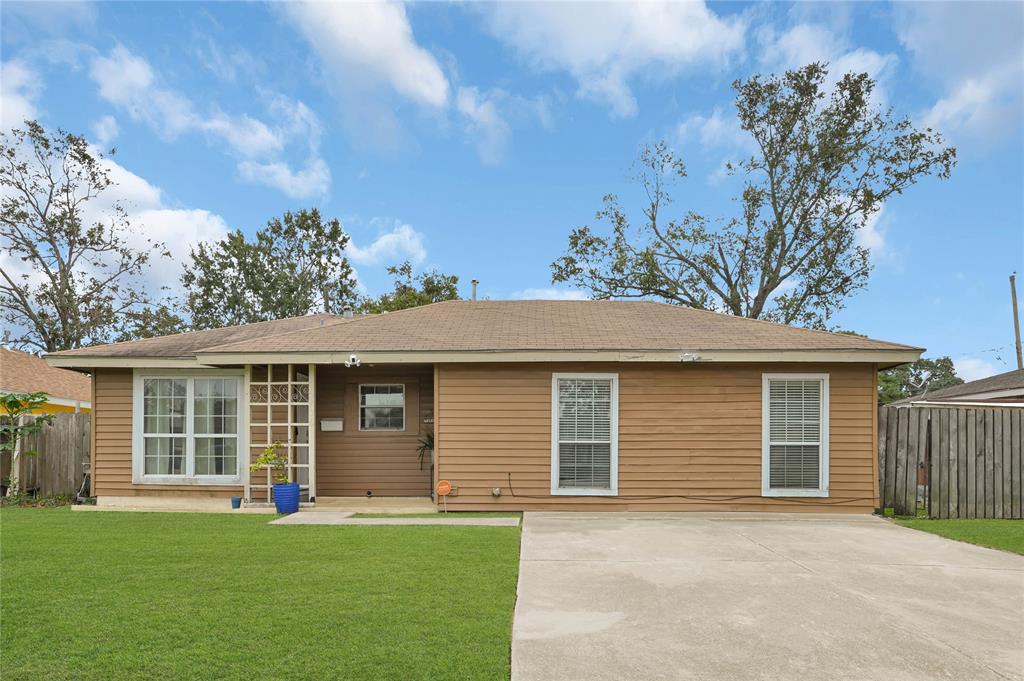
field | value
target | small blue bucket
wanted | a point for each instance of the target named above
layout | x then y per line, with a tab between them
236	502
286	497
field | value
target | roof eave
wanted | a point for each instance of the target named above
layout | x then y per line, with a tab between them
83	362
883	357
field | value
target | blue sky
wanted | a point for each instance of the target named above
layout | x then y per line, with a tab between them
474	137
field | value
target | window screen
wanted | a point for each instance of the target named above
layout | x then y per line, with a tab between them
382	407
794	433
584	433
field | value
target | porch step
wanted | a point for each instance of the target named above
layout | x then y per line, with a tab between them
394	505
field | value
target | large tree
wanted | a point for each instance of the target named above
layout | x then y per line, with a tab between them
920	378
413	291
824	164
69	276
296	265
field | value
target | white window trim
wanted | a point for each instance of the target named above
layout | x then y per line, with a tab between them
359	408
584	491
139	476
766	489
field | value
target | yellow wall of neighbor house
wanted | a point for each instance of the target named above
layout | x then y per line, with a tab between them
689	437
49	408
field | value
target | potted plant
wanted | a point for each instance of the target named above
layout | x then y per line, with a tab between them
286	494
426	445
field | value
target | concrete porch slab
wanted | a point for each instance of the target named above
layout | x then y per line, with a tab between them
345	518
374	505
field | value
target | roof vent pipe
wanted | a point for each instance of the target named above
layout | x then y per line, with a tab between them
473	283
346	312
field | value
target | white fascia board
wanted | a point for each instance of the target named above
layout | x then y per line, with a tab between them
83	362
666	356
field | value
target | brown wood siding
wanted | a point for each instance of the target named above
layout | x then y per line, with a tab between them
686	431
112	458
352	462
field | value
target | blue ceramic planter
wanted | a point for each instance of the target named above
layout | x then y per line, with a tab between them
286	497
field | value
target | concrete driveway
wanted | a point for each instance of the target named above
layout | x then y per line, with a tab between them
673	596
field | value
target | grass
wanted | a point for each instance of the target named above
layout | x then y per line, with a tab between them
172	595
1007	535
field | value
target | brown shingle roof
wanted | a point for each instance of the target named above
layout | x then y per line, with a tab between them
553	325
458	326
1011	380
24	372
187	344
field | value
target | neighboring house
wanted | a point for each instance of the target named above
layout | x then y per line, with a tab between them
557	405
22	372
999	389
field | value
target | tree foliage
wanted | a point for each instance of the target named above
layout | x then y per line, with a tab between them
920	378
823	166
14	428
409	291
294	266
70	272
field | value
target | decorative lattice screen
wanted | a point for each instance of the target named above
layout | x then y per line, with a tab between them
282	410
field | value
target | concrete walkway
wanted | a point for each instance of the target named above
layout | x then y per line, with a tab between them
688	596
345	518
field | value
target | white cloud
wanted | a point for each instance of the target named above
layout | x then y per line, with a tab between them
225	63
804	43
486	126
872	234
128	82
105	130
311	181
975	53
606	45
19	90
152	217
395	242
549	294
716	130
973	368
372	43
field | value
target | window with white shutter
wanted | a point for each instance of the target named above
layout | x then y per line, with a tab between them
584	437
795	435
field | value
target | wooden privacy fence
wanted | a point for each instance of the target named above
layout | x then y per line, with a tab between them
954	462
63	449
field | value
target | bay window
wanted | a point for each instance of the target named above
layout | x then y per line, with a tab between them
186	428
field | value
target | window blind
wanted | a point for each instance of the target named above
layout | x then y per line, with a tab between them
794	433
584	437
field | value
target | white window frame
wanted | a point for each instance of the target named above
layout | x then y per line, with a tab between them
359	408
614	428
139	476
766	489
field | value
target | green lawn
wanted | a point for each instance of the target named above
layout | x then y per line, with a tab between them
171	595
1007	535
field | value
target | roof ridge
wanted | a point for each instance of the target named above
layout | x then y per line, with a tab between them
777	324
194	331
334	322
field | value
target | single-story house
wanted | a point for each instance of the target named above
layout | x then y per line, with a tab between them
23	372
1007	388
534	405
